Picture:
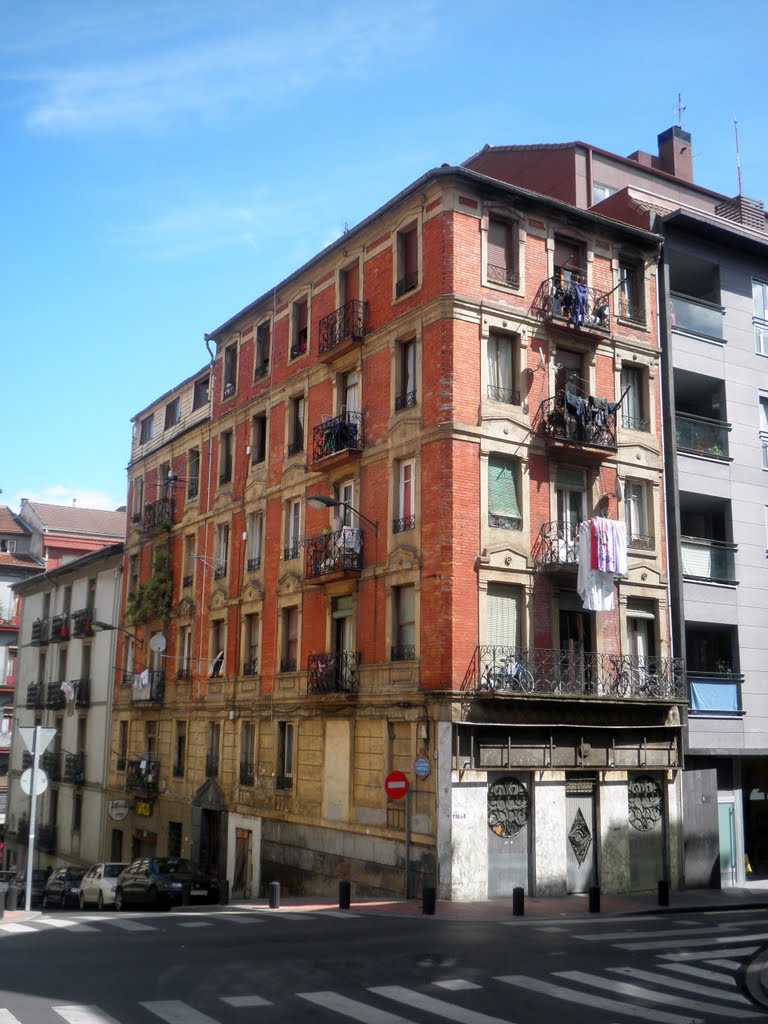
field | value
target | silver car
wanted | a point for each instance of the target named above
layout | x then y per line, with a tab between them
98	885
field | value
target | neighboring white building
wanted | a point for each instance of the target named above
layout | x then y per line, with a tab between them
64	680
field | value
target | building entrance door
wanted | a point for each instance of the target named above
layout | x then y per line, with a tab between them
580	834
727	831
509	833
241	883
646	833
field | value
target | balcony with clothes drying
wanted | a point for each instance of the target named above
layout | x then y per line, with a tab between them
59	629
567	302
578	425
337	439
333	672
556	547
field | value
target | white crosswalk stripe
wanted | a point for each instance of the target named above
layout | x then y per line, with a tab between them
127	924
174	1011
573	995
711	940
680	984
446	1011
638	992
361	1012
637	934
83	1015
16	929
244	1001
699	972
710	954
731	965
195	924
455	984
6	1017
62	922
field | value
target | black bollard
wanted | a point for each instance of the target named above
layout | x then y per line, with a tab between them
663	893
428	900
186	894
594	899
518	901
223	892
274	895
345	891
12	898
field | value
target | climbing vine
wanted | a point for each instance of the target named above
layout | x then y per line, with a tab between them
152	600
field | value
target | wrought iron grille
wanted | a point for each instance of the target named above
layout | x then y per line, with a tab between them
504	522
299	348
253	564
540	672
503	275
50	762
186	581
192	489
556	545
342	433
407	283
158	514
403	524
35	694
506	395
261	370
82	623
247	774
333	672
588	422
142	777
635	423
572	304
148	685
82	693
640	540
54	697
74	768
403	652
291	551
631	311
251	668
405	400
339	551
40	631
348	321
219	572
646	803
59	629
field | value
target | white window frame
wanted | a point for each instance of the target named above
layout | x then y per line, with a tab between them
255	539
636	496
406	489
221	550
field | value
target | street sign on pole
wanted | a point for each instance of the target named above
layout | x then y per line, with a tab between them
44	737
422	767
41	782
396	785
36	739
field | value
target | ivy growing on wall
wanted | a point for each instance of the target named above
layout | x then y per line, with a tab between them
152	600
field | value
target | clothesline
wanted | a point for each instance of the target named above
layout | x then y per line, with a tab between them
602	555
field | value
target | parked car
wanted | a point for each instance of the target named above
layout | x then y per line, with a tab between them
98	885
62	887
19	881
159	882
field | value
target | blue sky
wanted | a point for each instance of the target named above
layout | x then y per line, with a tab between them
165	163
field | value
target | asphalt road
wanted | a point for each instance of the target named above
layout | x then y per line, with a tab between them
230	966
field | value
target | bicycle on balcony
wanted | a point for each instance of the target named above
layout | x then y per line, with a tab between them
508	676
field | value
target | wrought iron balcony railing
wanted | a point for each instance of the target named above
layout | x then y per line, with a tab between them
251	668
702	436
711	560
333	672
299	347
696	316
635	423
341	433
557	546
641	540
59	629
158	514
80	691
296	445
36	695
247	774
587	422
219	572
405	400
348	321
403	652
50	762
503	275
261	370
40	632
253	564
631	310
538	672
506	395
192	488
142	777
406	283
54	697
403	524
291	551
82	623
148	685
288	664
74	768
340	551
575	305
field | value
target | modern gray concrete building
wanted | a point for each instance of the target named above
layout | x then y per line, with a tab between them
713	308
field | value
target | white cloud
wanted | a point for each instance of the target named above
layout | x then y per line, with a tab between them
62	494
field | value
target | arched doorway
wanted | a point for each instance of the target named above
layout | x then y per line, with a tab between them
208	829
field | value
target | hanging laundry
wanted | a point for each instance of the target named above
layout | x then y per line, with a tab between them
579	307
68	689
594	587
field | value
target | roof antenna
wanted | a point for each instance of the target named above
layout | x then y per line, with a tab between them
738	156
680	109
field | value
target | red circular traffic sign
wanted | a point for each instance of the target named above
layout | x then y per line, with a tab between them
396	785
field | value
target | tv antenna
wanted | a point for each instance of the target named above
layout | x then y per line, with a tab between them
680	109
738	155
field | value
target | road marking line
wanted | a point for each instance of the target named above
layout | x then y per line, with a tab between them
83	1015
195	924
711	941
699	972
446	1011
456	984
173	1011
16	929
572	995
6	1017
637	933
128	925
638	992
678	983
360	1012
61	922
285	915
244	1001
731	965
337	913
710	954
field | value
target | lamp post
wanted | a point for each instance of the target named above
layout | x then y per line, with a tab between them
319	501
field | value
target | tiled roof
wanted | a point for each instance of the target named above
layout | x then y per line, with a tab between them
71	519
20	561
10	522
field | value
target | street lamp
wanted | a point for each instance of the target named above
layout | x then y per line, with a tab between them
319	501
97	627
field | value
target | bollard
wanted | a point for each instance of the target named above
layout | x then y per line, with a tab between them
186	894
345	890
428	900
594	899
223	892
518	901
12	898
274	895
663	893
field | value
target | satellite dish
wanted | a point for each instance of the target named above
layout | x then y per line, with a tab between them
158	643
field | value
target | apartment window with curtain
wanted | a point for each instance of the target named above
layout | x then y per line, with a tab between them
258	438
636	514
193	472
296	425
188	565
230	370
138	499
403	623
503	502
501	263
213	747
501	369
225	457
147	429
290	639
251	645
503	607
300	327
405	496
200	393
221	551
172	413
179	750
284	755
407	260
261	357
218	639
760	315
292	530
184	668
405	374
633	404
631	291
255	538
247	753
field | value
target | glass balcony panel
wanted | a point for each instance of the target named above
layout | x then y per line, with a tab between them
698	317
702	436
708	559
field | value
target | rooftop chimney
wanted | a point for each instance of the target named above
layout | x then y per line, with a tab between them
24	502
675	156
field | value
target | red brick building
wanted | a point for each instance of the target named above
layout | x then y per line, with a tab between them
446	376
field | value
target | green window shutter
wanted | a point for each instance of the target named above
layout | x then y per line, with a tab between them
502	615
502	488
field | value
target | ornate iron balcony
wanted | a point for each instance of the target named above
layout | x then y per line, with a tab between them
50	762
348	321
82	623
573	305
702	436
635	423
253	564
557	545
291	551
82	692
342	433
148	685
219	572
251	668
158	514
405	400
587	422
74	768
59	629
403	524
192	489
538	672
631	310
142	777
340	551
406	283
261	370
40	632
54	697
247	774
503	275
641	540
506	395
403	652
35	695
335	672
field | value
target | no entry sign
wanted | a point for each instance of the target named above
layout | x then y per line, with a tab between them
396	785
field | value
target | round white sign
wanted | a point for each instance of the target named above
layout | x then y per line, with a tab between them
41	781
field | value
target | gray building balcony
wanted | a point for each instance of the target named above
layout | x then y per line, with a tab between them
706	560
699	435
696	316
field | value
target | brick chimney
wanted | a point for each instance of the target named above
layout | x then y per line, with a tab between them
675	156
